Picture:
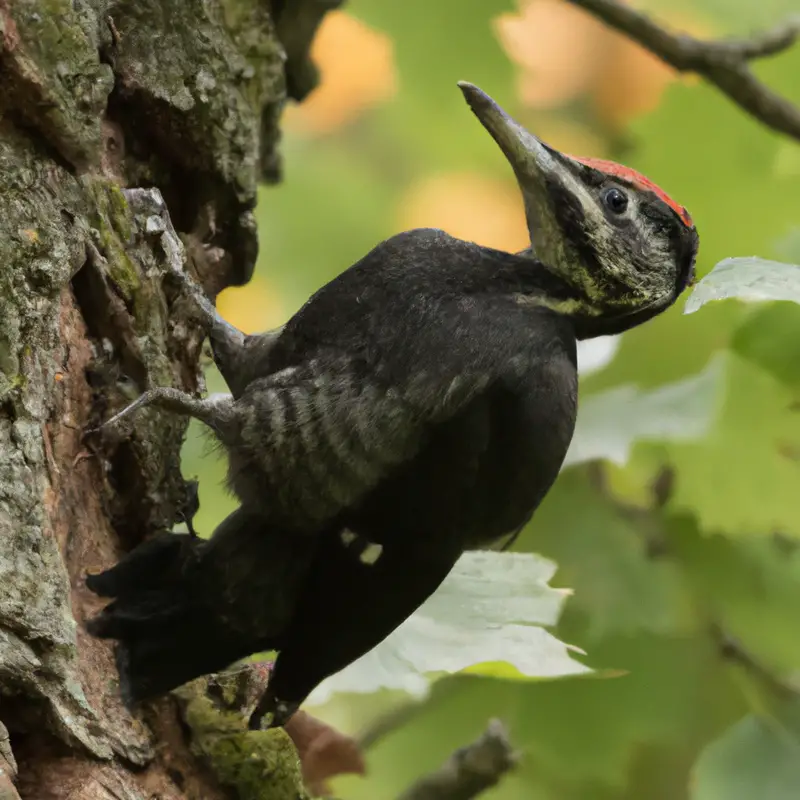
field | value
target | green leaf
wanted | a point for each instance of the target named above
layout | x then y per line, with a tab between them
758	757
743	477
748	279
491	608
591	729
748	586
610	422
770	337
604	557
577	737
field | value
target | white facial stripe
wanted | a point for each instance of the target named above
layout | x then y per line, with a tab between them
643	284
633	252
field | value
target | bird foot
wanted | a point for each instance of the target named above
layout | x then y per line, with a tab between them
276	713
216	410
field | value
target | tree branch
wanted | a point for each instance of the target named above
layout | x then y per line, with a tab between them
470	770
723	63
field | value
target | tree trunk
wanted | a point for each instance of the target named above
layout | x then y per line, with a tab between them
183	95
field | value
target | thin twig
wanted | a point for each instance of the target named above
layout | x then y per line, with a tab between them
735	653
723	63
469	771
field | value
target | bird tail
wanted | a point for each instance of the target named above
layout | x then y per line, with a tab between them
171	610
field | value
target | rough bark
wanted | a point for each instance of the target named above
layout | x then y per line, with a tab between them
96	95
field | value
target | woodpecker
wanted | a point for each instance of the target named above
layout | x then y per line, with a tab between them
419	405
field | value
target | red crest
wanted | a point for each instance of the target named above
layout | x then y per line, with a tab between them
639	181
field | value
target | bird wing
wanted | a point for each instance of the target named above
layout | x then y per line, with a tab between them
320	435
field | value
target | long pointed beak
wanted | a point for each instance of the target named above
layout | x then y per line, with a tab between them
541	172
529	157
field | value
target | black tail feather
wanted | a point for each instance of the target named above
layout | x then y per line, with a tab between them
184	607
167	632
149	566
159	660
132	614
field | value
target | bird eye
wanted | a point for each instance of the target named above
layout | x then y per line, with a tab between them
616	200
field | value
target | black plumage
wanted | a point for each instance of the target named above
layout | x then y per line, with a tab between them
420	404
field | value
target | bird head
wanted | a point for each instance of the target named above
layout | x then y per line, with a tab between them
622	245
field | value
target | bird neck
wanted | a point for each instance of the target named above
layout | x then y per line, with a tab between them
531	283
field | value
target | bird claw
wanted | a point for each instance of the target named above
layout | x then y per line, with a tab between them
109	428
113	424
150	397
226	340
275	712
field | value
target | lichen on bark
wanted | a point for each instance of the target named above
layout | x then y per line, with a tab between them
99	95
258	765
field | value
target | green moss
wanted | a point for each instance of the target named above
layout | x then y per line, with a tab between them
258	765
112	212
57	81
119	212
112	225
121	268
13	383
261	765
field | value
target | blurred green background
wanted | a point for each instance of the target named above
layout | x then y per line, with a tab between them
387	143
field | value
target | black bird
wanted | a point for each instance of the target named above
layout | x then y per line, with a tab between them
419	405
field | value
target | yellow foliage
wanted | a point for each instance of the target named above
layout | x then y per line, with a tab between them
631	84
357	71
565	54
253	308
569	137
556	46
469	206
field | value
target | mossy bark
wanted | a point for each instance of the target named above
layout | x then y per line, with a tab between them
96	95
